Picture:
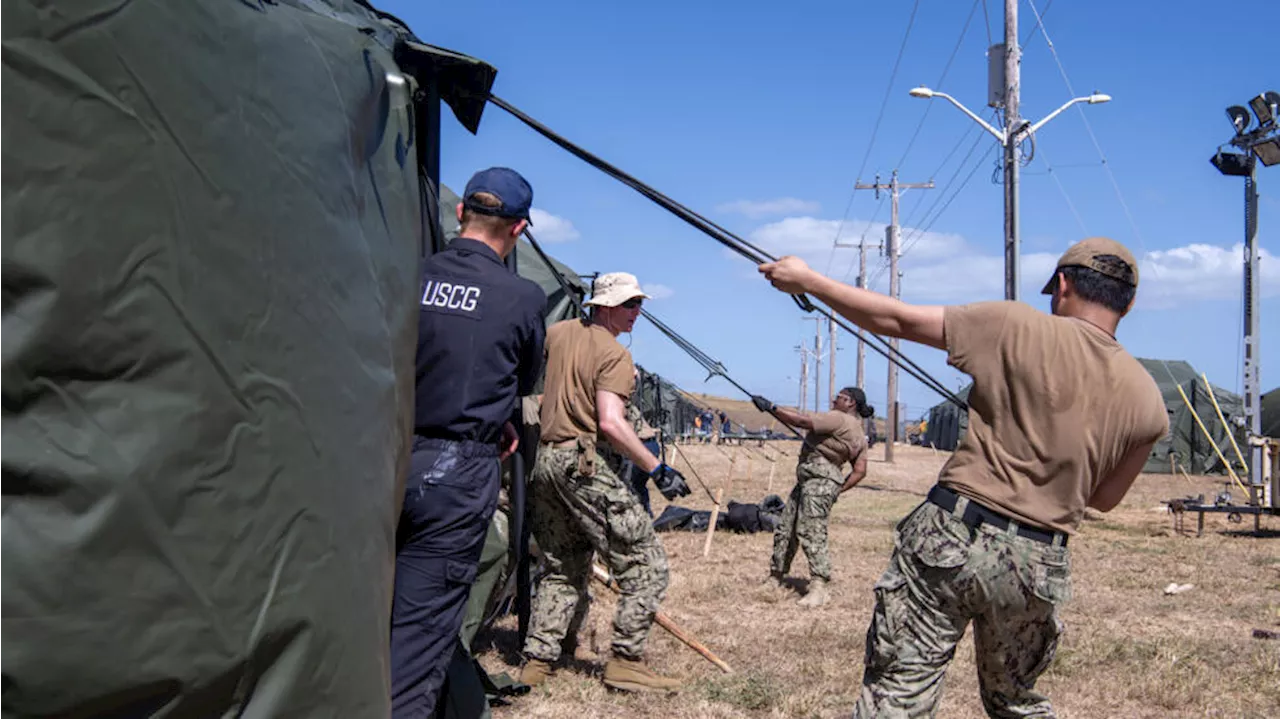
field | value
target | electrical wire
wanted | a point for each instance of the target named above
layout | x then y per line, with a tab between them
941	79
875	130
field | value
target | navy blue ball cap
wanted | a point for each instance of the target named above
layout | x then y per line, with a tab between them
507	185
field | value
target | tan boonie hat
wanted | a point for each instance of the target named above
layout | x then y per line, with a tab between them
614	288
1086	252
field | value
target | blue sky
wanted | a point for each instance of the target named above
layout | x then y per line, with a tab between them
759	115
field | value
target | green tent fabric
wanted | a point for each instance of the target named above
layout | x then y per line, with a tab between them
947	423
1271	414
212	228
1185	443
663	405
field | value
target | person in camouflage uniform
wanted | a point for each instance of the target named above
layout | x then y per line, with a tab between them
834	439
1061	418
623	467
578	505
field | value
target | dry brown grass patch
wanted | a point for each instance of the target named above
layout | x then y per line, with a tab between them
1129	650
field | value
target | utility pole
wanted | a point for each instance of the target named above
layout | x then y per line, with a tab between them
817	362
804	375
1012	143
862	282
895	188
1004	87
831	364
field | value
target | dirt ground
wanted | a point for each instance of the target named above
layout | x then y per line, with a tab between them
1129	650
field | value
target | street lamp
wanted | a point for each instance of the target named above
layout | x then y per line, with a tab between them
1010	138
1261	144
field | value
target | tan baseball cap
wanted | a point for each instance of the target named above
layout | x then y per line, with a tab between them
1086	252
614	288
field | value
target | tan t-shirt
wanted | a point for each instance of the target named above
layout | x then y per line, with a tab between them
1056	404
837	436
581	359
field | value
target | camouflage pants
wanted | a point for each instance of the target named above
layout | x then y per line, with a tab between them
804	520
942	575
571	516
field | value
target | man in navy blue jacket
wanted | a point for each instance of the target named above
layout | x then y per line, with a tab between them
480	334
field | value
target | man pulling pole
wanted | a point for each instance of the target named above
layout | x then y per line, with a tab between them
1061	418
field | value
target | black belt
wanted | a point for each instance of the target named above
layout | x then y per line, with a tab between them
976	515
465	447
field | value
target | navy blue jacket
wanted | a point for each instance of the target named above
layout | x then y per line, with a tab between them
480	334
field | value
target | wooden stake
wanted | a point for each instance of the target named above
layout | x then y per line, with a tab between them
715	511
665	622
772	466
711	528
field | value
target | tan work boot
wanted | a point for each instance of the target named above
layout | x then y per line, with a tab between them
817	595
535	672
631	675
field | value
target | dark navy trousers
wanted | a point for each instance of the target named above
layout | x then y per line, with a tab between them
449	499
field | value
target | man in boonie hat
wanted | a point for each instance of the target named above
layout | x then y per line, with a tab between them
579	505
1061	418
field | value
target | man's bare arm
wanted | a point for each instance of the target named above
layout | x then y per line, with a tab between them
869	310
1113	487
615	427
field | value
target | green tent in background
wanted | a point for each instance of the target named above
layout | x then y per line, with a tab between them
1186	443
947	423
1271	414
664	406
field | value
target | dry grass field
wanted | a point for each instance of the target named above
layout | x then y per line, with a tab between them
1129	650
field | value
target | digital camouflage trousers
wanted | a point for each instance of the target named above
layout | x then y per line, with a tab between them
942	575
804	520
573	515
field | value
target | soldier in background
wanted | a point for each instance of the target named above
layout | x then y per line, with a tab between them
833	439
1061	418
579	505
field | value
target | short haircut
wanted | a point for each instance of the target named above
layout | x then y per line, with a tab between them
489	224
1093	286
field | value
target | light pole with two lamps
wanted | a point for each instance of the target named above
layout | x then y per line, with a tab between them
1010	138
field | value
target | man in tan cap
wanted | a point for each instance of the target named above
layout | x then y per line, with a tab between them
579	505
1061	418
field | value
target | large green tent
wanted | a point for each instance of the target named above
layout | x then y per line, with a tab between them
213	220
1185	443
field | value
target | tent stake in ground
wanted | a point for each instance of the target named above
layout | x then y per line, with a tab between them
665	622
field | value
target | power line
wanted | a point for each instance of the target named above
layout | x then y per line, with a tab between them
875	130
946	68
1062	188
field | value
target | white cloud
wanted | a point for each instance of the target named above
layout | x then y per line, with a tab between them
1201	272
756	209
658	292
945	268
551	228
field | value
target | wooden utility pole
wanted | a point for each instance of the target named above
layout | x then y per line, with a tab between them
862	282
817	363
891	247
804	374
831	363
1012	151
